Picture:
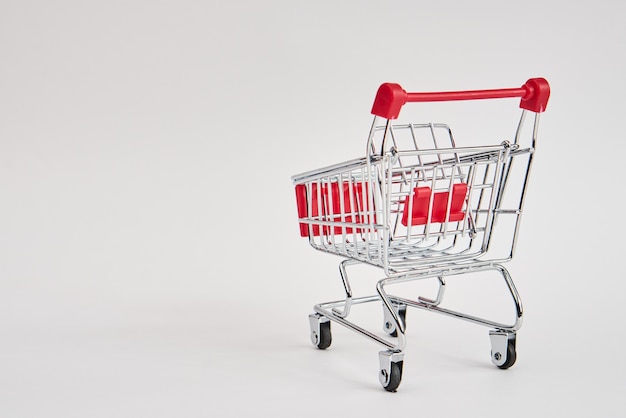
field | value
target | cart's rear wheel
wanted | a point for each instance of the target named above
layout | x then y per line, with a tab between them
511	356
503	353
324	338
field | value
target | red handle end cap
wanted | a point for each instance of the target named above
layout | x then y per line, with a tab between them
537	95
389	100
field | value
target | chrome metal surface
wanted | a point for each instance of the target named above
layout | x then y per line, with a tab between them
389	323
500	341
453	271
346	285
325	310
439	298
314	321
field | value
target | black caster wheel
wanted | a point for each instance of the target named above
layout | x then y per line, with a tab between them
503	352
511	356
391	380
321	336
390	371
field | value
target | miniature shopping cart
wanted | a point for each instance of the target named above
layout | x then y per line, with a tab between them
419	206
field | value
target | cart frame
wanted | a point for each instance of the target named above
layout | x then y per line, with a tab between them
418	213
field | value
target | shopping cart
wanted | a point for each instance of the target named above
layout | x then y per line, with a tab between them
419	206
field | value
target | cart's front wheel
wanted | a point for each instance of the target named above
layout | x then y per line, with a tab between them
391	379
503	352
390	371
321	336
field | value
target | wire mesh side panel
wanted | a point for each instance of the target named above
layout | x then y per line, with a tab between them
440	198
339	211
424	202
386	137
443	210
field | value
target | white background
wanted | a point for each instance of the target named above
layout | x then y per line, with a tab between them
150	263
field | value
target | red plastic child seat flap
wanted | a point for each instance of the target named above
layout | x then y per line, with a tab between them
359	198
421	204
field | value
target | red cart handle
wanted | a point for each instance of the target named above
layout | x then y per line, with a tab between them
391	97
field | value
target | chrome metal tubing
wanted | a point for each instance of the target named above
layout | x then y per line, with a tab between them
516	325
330	310
326	310
440	292
346	285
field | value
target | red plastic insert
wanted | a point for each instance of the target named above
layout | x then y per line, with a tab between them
359	194
421	203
